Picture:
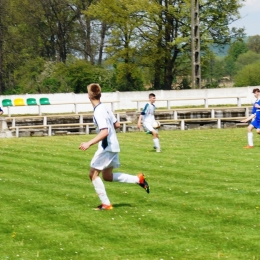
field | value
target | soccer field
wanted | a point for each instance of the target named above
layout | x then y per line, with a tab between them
203	204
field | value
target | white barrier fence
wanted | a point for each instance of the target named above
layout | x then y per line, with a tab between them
79	103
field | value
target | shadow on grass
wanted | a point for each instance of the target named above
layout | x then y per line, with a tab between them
119	205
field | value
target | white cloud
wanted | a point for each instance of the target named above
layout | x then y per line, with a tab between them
250	17
251	6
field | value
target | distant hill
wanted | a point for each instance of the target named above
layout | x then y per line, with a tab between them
222	50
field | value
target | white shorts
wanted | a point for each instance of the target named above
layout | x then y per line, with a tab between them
148	127
103	159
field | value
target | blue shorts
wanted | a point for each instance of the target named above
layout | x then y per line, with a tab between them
256	124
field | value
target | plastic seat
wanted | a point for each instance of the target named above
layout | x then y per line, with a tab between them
7	102
19	102
31	101
44	101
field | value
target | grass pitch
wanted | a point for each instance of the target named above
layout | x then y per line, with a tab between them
204	201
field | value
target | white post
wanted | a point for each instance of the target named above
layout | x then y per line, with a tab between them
182	125
45	120
124	127
219	123
247	112
81	120
168	104
175	115
212	113
206	102
239	101
138	106
49	131
40	110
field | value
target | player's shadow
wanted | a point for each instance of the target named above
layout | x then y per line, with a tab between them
119	205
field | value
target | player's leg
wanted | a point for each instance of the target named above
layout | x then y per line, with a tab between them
148	127
120	176
128	178
250	135
156	140
97	164
100	189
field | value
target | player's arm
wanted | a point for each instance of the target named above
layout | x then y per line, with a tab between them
248	119
139	123
100	136
116	125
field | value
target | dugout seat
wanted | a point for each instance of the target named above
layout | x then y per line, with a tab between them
44	101
19	102
7	103
31	102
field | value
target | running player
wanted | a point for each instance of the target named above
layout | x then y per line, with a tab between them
106	157
147	117
255	117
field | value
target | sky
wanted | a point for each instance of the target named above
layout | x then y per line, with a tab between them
250	17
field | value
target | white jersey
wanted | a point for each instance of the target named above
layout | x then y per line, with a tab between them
148	113
104	118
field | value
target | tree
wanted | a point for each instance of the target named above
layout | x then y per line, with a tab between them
2	38
246	59
253	43
235	50
159	32
248	75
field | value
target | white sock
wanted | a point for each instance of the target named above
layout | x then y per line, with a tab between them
156	143
123	177
250	138
100	190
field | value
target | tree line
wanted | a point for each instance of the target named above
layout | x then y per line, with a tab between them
49	46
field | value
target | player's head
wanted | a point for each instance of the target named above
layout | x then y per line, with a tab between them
94	91
152	97
256	90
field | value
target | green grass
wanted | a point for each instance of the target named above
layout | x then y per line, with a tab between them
204	201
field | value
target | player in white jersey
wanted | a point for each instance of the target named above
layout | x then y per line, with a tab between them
255	117
147	117
106	157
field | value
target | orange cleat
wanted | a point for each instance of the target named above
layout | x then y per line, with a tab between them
143	183
104	207
248	146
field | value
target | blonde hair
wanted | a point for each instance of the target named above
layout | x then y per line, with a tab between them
94	91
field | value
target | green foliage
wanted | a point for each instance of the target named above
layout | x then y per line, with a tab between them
212	69
204	200
249	75
79	73
128	77
236	49
27	76
246	59
253	43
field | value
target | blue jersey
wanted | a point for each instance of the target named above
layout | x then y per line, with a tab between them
256	112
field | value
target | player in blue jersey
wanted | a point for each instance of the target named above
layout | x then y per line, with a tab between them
255	117
147	117
106	157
